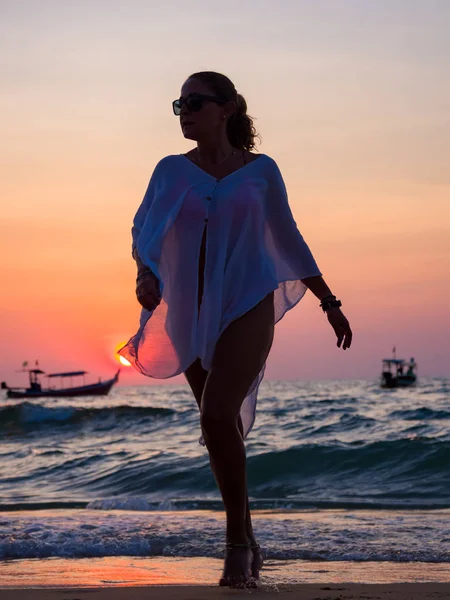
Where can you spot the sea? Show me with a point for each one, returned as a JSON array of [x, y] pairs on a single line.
[[337, 471]]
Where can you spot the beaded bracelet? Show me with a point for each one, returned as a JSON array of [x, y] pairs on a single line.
[[326, 304]]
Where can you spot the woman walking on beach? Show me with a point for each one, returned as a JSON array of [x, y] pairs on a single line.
[[220, 261]]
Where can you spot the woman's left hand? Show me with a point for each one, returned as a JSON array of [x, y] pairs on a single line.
[[341, 326]]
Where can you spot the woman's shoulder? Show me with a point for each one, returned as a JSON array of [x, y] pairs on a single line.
[[264, 160], [166, 162], [269, 160], [163, 170]]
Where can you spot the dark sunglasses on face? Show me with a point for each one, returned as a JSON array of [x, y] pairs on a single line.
[[194, 102]]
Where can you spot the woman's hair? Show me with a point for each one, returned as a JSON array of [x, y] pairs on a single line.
[[240, 129]]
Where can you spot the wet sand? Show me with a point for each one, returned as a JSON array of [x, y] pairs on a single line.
[[129, 578]]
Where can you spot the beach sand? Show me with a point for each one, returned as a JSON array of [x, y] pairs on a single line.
[[405, 591], [128, 578]]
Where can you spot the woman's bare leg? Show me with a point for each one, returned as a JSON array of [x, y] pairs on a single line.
[[257, 560], [196, 377], [240, 353]]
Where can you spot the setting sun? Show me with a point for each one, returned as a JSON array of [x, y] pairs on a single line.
[[121, 359]]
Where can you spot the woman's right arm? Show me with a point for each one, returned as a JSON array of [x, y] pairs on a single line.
[[142, 212], [147, 284], [148, 290], [139, 220], [140, 265]]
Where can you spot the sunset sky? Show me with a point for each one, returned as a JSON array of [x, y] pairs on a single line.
[[351, 98]]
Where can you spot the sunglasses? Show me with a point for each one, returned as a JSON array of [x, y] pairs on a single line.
[[194, 102]]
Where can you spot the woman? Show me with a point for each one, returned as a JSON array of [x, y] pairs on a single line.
[[220, 260]]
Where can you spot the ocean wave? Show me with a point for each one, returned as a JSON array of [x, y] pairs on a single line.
[[420, 414], [30, 414], [389, 474], [284, 535], [385, 450]]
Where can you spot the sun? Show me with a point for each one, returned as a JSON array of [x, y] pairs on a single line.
[[120, 358], [124, 361]]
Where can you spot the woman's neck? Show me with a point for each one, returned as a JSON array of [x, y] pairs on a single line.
[[214, 153]]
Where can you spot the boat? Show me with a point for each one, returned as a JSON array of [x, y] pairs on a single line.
[[397, 372], [101, 388]]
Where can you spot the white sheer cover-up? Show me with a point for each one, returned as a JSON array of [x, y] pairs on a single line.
[[253, 246]]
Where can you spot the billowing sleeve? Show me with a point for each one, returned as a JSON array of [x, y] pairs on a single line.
[[286, 240], [142, 211]]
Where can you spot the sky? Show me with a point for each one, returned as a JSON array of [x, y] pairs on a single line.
[[351, 98]]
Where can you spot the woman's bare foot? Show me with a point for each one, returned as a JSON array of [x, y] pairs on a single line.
[[237, 570], [257, 560]]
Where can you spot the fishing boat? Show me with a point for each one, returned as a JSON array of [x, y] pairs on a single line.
[[35, 390], [397, 372]]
